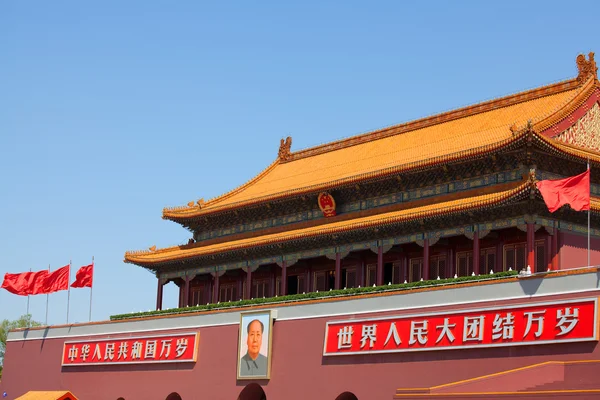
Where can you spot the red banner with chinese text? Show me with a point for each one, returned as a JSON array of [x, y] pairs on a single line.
[[566, 321], [132, 350]]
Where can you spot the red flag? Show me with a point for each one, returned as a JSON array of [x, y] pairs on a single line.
[[574, 190], [25, 283], [57, 280], [16, 283], [84, 277]]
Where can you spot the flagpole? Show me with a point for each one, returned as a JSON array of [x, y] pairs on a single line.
[[589, 209], [28, 298], [91, 288], [47, 298], [68, 291]]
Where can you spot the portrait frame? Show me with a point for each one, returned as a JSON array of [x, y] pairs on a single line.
[[266, 318]]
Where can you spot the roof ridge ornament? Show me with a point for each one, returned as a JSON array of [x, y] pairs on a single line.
[[285, 147], [586, 68]]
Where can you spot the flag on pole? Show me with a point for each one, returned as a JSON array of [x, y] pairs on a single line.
[[26, 283], [84, 277], [57, 280], [574, 191]]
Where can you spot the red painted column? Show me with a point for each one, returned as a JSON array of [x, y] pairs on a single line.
[[476, 254], [283, 285], [159, 295], [405, 268], [530, 246], [548, 246], [379, 278], [555, 265], [308, 284], [248, 284], [338, 271], [186, 292], [216, 288], [425, 274]]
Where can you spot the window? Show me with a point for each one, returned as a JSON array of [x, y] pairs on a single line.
[[278, 286], [437, 267], [260, 288], [197, 295], [228, 292], [487, 260], [515, 256], [541, 264], [371, 274], [348, 278], [464, 263], [415, 268], [323, 281]]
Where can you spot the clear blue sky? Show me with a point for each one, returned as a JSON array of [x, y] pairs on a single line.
[[110, 111]]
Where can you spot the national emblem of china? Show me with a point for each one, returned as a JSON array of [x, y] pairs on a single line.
[[327, 204]]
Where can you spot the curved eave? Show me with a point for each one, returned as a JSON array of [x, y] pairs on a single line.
[[180, 253], [563, 149], [185, 213]]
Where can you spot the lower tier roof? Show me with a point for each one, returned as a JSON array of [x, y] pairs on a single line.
[[408, 213]]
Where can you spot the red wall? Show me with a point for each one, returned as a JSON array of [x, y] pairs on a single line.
[[299, 370], [573, 251]]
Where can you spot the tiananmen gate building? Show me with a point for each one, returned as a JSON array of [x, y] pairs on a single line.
[[413, 262]]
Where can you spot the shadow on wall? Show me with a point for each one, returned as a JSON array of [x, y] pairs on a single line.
[[346, 396], [253, 391]]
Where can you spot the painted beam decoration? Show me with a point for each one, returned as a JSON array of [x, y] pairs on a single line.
[[132, 350], [525, 324]]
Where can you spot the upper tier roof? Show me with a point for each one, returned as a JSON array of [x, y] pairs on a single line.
[[455, 134]]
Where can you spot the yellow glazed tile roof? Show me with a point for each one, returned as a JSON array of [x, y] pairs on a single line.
[[456, 134], [420, 212], [51, 395]]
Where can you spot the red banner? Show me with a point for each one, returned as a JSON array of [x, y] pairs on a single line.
[[132, 350], [566, 321]]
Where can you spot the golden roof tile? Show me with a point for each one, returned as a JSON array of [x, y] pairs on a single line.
[[452, 135]]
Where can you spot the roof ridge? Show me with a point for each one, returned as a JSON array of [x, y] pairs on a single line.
[[435, 119], [587, 71], [201, 203], [340, 182], [562, 111]]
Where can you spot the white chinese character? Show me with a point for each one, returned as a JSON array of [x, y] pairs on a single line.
[[535, 316], [97, 353], [418, 332], [566, 317], [473, 328], [85, 351], [503, 327], [393, 332], [369, 332], [445, 331], [150, 349], [109, 353], [136, 350], [73, 353], [345, 337], [122, 351], [166, 344], [181, 347]]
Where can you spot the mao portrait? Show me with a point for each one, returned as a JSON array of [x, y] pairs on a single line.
[[254, 347]]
